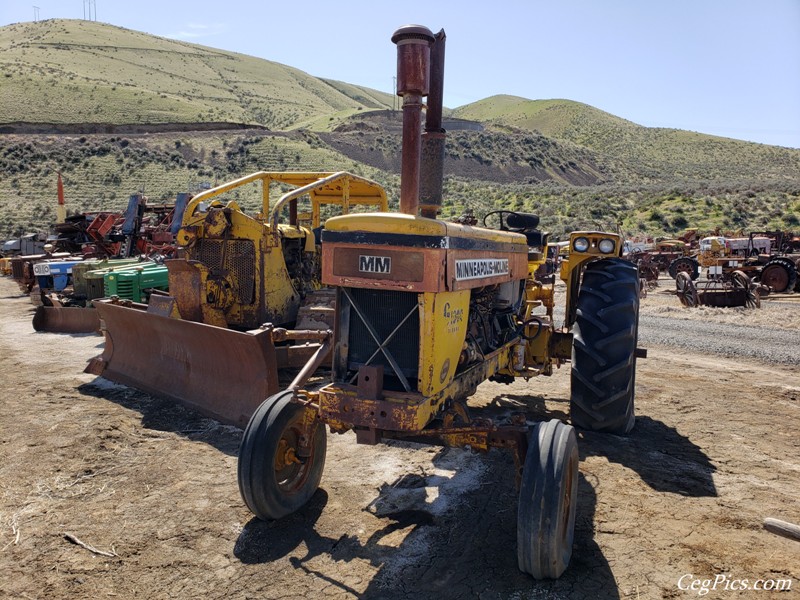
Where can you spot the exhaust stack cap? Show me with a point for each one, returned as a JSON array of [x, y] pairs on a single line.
[[407, 32], [413, 56]]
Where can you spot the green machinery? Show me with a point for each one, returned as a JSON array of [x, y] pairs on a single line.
[[128, 279], [136, 282]]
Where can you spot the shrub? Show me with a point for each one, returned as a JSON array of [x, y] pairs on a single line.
[[680, 222]]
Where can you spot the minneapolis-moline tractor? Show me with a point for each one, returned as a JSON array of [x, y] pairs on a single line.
[[426, 310], [205, 343]]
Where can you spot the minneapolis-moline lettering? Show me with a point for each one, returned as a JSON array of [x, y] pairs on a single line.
[[478, 268]]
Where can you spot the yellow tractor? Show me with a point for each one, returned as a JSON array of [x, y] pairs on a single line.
[[245, 284], [426, 310]]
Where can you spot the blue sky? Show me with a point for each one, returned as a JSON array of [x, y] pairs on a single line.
[[722, 67]]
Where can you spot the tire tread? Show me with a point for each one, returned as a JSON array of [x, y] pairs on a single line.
[[604, 347]]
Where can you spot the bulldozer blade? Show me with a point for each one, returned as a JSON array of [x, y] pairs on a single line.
[[223, 373], [58, 319]]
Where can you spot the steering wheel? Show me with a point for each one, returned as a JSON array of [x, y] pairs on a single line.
[[503, 219], [514, 221]]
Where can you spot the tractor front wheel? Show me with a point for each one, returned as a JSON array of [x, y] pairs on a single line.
[[684, 264], [281, 458], [548, 500], [604, 347]]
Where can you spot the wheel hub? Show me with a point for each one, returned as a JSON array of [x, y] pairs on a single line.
[[285, 456]]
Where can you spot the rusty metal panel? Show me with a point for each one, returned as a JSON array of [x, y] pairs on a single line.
[[723, 298], [186, 286], [411, 269], [409, 412], [223, 373], [294, 357], [162, 305], [342, 403], [561, 345], [57, 319], [370, 382], [379, 263]]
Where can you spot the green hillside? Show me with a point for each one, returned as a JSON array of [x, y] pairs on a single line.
[[553, 118], [118, 111], [74, 71], [100, 172], [644, 154]]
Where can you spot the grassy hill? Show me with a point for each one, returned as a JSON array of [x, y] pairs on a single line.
[[374, 138], [576, 166], [649, 154], [100, 172], [73, 71]]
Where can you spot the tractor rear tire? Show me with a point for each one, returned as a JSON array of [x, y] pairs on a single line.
[[604, 348], [274, 480], [548, 499], [797, 268], [780, 274], [685, 264]]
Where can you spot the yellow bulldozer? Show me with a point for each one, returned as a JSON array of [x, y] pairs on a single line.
[[244, 300], [426, 310]]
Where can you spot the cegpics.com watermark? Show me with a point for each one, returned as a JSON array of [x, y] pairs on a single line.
[[724, 582]]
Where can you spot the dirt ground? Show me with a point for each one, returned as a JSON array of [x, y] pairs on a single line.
[[149, 490]]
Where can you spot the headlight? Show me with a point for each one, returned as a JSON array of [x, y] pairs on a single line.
[[606, 246], [581, 244]]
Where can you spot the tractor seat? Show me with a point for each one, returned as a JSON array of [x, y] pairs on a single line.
[[537, 238], [520, 221]]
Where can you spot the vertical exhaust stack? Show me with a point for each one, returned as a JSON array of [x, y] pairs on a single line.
[[413, 80], [433, 140]]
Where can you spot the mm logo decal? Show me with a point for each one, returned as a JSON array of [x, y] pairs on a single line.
[[477, 268], [375, 264]]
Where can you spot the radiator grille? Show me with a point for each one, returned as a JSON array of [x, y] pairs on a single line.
[[384, 310], [236, 258], [125, 289], [120, 285], [17, 269]]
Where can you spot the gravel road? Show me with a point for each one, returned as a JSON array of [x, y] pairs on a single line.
[[770, 334], [767, 344]]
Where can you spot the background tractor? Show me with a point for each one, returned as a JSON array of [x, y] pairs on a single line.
[[665, 252], [756, 256], [243, 302], [426, 310]]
